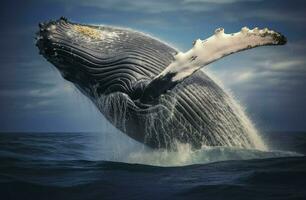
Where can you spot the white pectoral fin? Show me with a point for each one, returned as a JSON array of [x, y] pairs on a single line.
[[218, 46], [207, 51]]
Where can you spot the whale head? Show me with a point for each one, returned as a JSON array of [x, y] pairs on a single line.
[[103, 59], [77, 51]]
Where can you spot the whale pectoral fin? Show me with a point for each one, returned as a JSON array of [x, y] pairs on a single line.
[[207, 51]]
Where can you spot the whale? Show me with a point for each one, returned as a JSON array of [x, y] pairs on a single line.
[[151, 91]]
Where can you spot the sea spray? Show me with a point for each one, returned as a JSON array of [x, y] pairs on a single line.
[[185, 155], [240, 111]]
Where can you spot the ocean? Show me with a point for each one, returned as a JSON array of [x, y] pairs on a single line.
[[100, 166]]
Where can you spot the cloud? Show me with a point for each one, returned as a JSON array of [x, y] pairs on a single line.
[[12, 93], [280, 14], [51, 92], [29, 84], [218, 2], [153, 22], [288, 65], [157, 6], [226, 9], [269, 69], [37, 104]]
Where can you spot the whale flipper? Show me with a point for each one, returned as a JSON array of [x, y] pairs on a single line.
[[205, 52]]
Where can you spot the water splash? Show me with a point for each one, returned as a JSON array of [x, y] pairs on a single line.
[[185, 155], [117, 147]]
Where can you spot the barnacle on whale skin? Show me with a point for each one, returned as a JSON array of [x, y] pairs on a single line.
[[88, 31]]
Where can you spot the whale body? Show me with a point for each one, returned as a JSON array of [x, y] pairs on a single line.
[[127, 76]]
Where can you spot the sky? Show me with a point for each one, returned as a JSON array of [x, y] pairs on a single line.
[[269, 82]]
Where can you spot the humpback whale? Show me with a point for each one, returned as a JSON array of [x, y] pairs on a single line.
[[148, 89]]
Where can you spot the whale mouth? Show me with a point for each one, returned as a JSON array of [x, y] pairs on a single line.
[[74, 49], [62, 38], [90, 55], [50, 40], [44, 39]]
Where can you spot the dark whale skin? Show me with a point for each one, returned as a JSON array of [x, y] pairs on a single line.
[[113, 71]]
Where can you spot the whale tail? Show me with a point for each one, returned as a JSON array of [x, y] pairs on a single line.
[[205, 52]]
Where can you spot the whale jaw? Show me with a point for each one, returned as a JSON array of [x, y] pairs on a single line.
[[48, 41]]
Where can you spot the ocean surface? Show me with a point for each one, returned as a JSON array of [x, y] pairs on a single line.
[[100, 166]]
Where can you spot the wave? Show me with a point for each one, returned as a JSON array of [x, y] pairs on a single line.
[[269, 178], [63, 166]]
